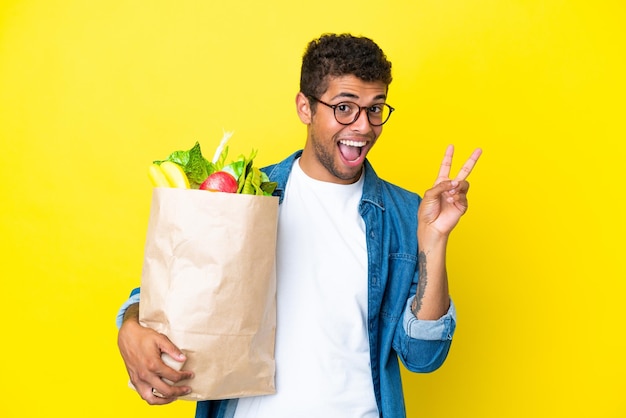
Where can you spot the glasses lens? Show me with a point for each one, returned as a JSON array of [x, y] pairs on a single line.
[[347, 113], [378, 114]]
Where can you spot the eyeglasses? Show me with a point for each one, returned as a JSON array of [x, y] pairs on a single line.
[[346, 113]]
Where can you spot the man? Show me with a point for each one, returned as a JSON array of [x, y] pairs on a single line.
[[355, 291]]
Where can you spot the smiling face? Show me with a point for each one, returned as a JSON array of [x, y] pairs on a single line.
[[334, 152]]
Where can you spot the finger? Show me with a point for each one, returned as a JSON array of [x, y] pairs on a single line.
[[446, 164], [154, 385], [152, 396], [160, 398], [469, 165], [173, 373], [163, 390], [457, 186], [176, 374], [158, 394], [459, 201], [171, 351], [171, 376], [445, 186], [157, 375]]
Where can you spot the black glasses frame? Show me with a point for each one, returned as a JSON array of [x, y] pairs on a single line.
[[356, 117]]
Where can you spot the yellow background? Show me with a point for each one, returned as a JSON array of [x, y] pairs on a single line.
[[92, 91]]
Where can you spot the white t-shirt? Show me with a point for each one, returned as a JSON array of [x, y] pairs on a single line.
[[322, 346]]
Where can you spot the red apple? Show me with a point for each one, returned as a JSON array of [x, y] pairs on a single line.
[[220, 181]]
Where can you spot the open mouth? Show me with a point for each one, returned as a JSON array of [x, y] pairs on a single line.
[[351, 150]]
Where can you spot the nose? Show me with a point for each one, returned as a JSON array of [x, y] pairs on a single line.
[[362, 123]]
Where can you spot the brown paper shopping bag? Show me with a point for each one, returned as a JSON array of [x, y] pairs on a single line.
[[209, 284]]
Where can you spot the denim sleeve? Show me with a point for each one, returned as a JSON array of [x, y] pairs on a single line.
[[423, 346], [436, 330], [134, 298]]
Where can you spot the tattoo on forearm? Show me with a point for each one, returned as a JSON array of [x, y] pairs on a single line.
[[421, 284]]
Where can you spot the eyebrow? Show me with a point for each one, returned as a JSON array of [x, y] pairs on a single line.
[[354, 96]]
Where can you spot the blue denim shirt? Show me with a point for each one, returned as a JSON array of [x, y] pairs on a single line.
[[390, 216]]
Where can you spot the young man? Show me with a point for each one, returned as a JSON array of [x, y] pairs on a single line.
[[361, 275]]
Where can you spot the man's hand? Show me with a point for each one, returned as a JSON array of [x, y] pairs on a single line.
[[438, 214], [445, 203], [141, 349]]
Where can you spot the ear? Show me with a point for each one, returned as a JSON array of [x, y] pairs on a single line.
[[303, 107]]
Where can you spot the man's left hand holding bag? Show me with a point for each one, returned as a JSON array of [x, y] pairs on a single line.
[[141, 349]]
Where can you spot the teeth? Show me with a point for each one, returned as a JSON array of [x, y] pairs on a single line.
[[353, 143]]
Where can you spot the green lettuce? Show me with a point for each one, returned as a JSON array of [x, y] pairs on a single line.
[[196, 167], [250, 179]]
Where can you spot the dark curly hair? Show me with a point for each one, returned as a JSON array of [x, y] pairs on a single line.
[[337, 55]]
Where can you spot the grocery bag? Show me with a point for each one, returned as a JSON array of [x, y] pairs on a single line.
[[209, 284]]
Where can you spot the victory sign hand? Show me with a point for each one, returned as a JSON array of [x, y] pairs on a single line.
[[445, 203]]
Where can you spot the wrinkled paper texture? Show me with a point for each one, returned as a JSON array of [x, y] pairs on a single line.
[[209, 284]]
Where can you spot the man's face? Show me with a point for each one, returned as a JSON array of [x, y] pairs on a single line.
[[334, 152]]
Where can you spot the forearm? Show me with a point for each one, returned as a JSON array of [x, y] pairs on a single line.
[[132, 300], [132, 313], [432, 298]]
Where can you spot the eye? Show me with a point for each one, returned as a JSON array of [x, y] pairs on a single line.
[[376, 109], [345, 108]]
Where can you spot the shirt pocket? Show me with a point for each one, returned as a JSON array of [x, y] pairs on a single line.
[[401, 278]]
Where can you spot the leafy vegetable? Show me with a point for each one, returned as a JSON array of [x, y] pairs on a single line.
[[250, 180], [196, 167]]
